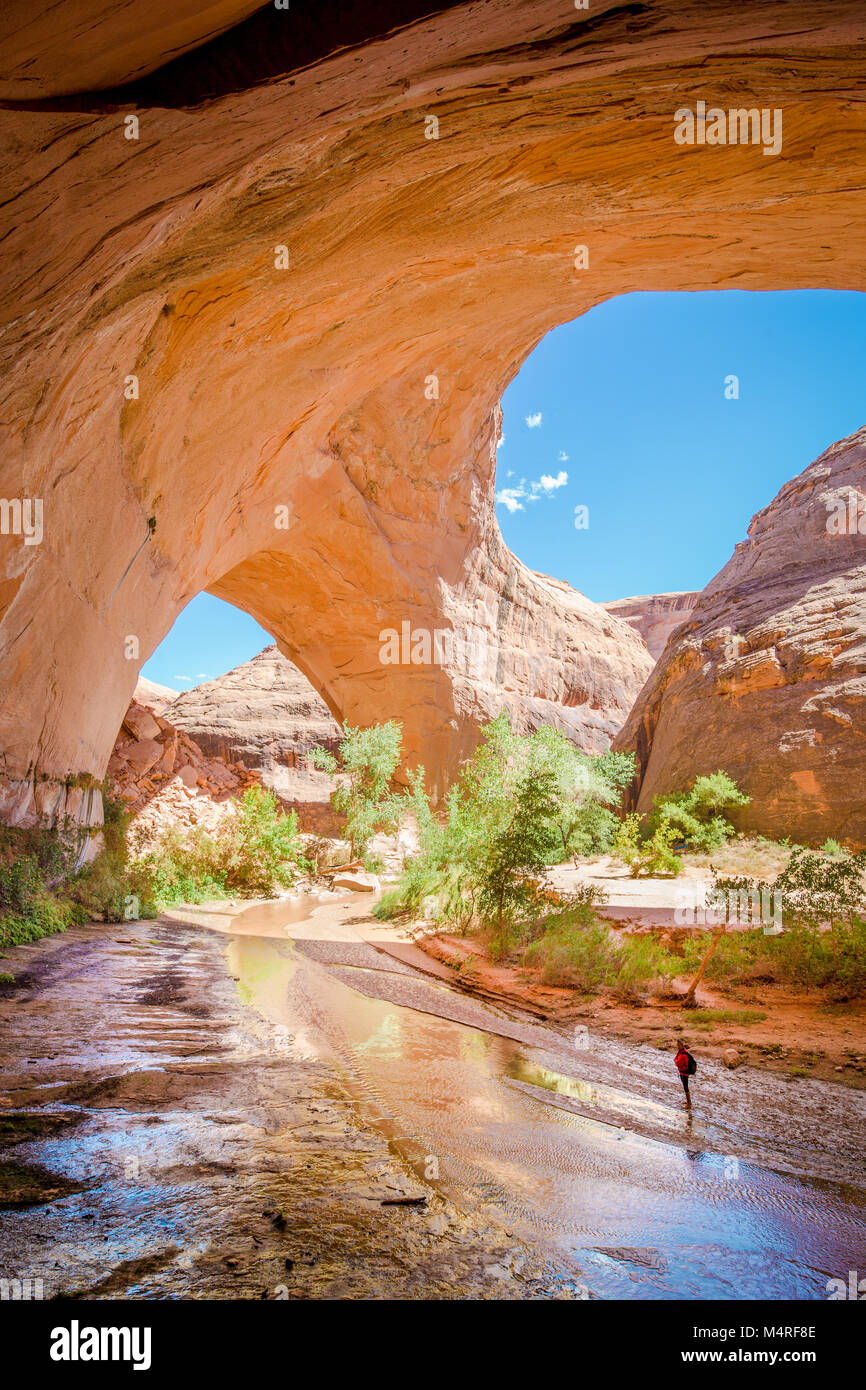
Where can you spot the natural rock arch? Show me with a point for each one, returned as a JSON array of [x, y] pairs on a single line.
[[304, 387]]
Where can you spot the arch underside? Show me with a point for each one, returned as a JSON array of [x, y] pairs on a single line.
[[299, 393]]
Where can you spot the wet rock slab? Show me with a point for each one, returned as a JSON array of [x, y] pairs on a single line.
[[164, 1140]]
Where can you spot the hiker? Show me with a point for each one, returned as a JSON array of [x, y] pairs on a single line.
[[686, 1066]]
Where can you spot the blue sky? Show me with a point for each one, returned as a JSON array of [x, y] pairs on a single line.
[[623, 411]]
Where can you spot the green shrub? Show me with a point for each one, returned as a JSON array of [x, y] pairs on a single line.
[[33, 861], [696, 816], [20, 884], [255, 851], [574, 951], [833, 847], [257, 848], [645, 856], [366, 762], [643, 961], [520, 803], [518, 853]]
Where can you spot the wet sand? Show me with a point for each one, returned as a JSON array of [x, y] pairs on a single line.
[[224, 1126], [177, 1144]]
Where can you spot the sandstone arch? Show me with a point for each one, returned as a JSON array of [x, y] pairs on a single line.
[[305, 387]]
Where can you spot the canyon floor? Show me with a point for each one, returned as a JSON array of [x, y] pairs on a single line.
[[793, 1033], [271, 1101]]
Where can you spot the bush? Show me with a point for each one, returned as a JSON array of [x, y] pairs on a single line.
[[696, 816], [33, 861], [367, 760], [521, 803], [575, 952], [645, 856], [642, 962], [576, 949], [833, 848], [517, 853], [257, 848], [255, 851]]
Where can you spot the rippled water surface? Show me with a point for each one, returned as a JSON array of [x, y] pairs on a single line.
[[584, 1151]]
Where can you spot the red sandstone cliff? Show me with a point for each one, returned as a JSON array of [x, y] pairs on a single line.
[[654, 616], [768, 677], [218, 336]]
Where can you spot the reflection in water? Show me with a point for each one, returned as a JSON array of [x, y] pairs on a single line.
[[536, 1149]]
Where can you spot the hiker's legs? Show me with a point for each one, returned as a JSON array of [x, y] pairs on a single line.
[[685, 1081]]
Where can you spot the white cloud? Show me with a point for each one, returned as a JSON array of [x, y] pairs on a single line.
[[202, 676], [509, 497], [549, 484], [500, 441], [563, 457], [533, 421], [514, 497], [182, 678]]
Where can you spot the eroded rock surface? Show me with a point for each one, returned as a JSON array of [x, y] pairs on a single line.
[[155, 697], [258, 349], [768, 678], [266, 714], [654, 616]]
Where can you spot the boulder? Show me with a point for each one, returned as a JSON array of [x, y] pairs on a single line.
[[732, 1058], [142, 755], [359, 881], [140, 722]]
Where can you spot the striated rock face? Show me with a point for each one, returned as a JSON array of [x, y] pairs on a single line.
[[267, 715], [768, 677], [654, 616], [259, 349], [155, 697]]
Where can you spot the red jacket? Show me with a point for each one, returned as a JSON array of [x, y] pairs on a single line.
[[682, 1063]]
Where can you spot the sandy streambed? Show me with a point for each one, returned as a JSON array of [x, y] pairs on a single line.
[[242, 1112]]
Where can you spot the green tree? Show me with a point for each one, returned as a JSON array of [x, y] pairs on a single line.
[[365, 765], [697, 816], [519, 851], [585, 786]]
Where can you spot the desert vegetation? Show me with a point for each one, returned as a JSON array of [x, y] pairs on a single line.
[[520, 806], [255, 851], [523, 804]]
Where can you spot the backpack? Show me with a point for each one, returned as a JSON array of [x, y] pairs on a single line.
[[693, 1066]]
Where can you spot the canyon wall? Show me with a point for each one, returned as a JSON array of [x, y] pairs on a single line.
[[259, 306], [654, 616], [265, 714], [768, 678]]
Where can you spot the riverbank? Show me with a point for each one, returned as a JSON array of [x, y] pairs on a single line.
[[287, 1107], [767, 1026]]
